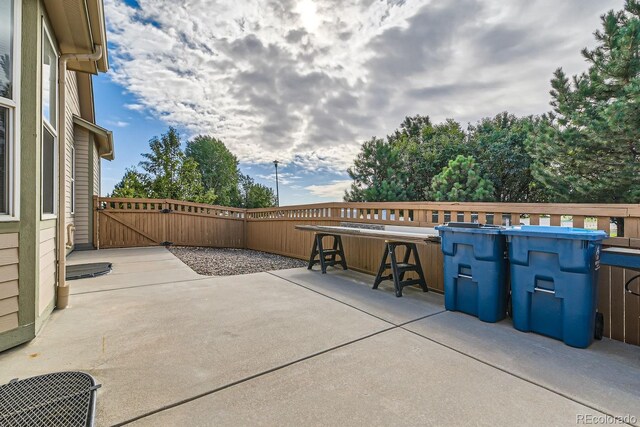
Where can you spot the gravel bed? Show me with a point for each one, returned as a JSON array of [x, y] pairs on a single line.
[[229, 262]]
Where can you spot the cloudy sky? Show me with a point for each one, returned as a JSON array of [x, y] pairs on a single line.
[[307, 81]]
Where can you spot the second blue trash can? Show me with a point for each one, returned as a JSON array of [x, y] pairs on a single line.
[[554, 281], [474, 270]]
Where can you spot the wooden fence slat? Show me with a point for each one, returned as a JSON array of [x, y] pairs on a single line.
[[631, 311], [130, 226], [604, 297], [632, 227], [534, 219], [482, 217], [617, 303], [604, 224]]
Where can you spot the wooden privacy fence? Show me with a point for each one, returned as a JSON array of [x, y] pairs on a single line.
[[121, 223], [138, 222]]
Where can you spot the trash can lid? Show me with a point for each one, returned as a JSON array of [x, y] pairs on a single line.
[[555, 232], [470, 227]]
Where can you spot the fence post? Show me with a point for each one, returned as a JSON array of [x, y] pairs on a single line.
[[632, 231], [165, 221], [245, 230], [96, 222], [335, 213], [420, 216]]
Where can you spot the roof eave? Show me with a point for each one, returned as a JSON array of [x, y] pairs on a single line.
[[103, 136], [79, 27]]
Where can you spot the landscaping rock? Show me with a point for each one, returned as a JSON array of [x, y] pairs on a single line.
[[229, 262]]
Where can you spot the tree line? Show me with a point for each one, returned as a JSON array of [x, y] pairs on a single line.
[[205, 172], [587, 149]]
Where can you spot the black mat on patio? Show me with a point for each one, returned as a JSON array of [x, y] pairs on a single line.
[[83, 271]]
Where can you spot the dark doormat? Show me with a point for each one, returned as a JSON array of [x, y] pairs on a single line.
[[83, 271], [58, 399]]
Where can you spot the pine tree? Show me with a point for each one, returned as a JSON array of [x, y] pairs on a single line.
[[588, 148], [378, 174], [460, 181]]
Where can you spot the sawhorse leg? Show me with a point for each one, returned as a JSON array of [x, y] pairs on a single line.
[[398, 270], [327, 257]]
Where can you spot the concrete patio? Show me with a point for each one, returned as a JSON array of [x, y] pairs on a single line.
[[293, 347]]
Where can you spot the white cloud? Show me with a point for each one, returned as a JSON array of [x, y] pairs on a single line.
[[335, 190], [284, 178], [308, 81], [134, 107], [117, 123], [308, 14]]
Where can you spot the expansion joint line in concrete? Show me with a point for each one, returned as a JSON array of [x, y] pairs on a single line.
[[484, 362], [124, 288], [351, 305], [392, 326], [268, 371]]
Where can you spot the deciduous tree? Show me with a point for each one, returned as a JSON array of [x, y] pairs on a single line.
[[132, 185], [218, 167], [499, 145], [168, 173], [254, 195], [425, 154]]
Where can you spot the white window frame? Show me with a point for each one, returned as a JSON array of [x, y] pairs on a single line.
[[72, 200], [13, 135], [49, 128]]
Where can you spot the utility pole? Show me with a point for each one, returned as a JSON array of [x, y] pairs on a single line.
[[275, 163]]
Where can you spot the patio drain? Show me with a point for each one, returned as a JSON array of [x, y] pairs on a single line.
[[58, 399], [84, 271]]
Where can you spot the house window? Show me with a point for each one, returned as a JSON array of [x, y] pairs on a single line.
[[49, 81], [48, 173], [73, 180], [6, 49], [9, 74], [49, 121], [4, 145]]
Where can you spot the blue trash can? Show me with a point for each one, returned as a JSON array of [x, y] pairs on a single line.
[[475, 270], [554, 281]]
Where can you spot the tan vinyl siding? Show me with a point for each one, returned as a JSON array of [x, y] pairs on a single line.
[[83, 187], [47, 268], [72, 107], [8, 322], [96, 171], [8, 281]]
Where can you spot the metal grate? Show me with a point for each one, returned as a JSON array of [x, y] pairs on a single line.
[[58, 399], [84, 271]]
